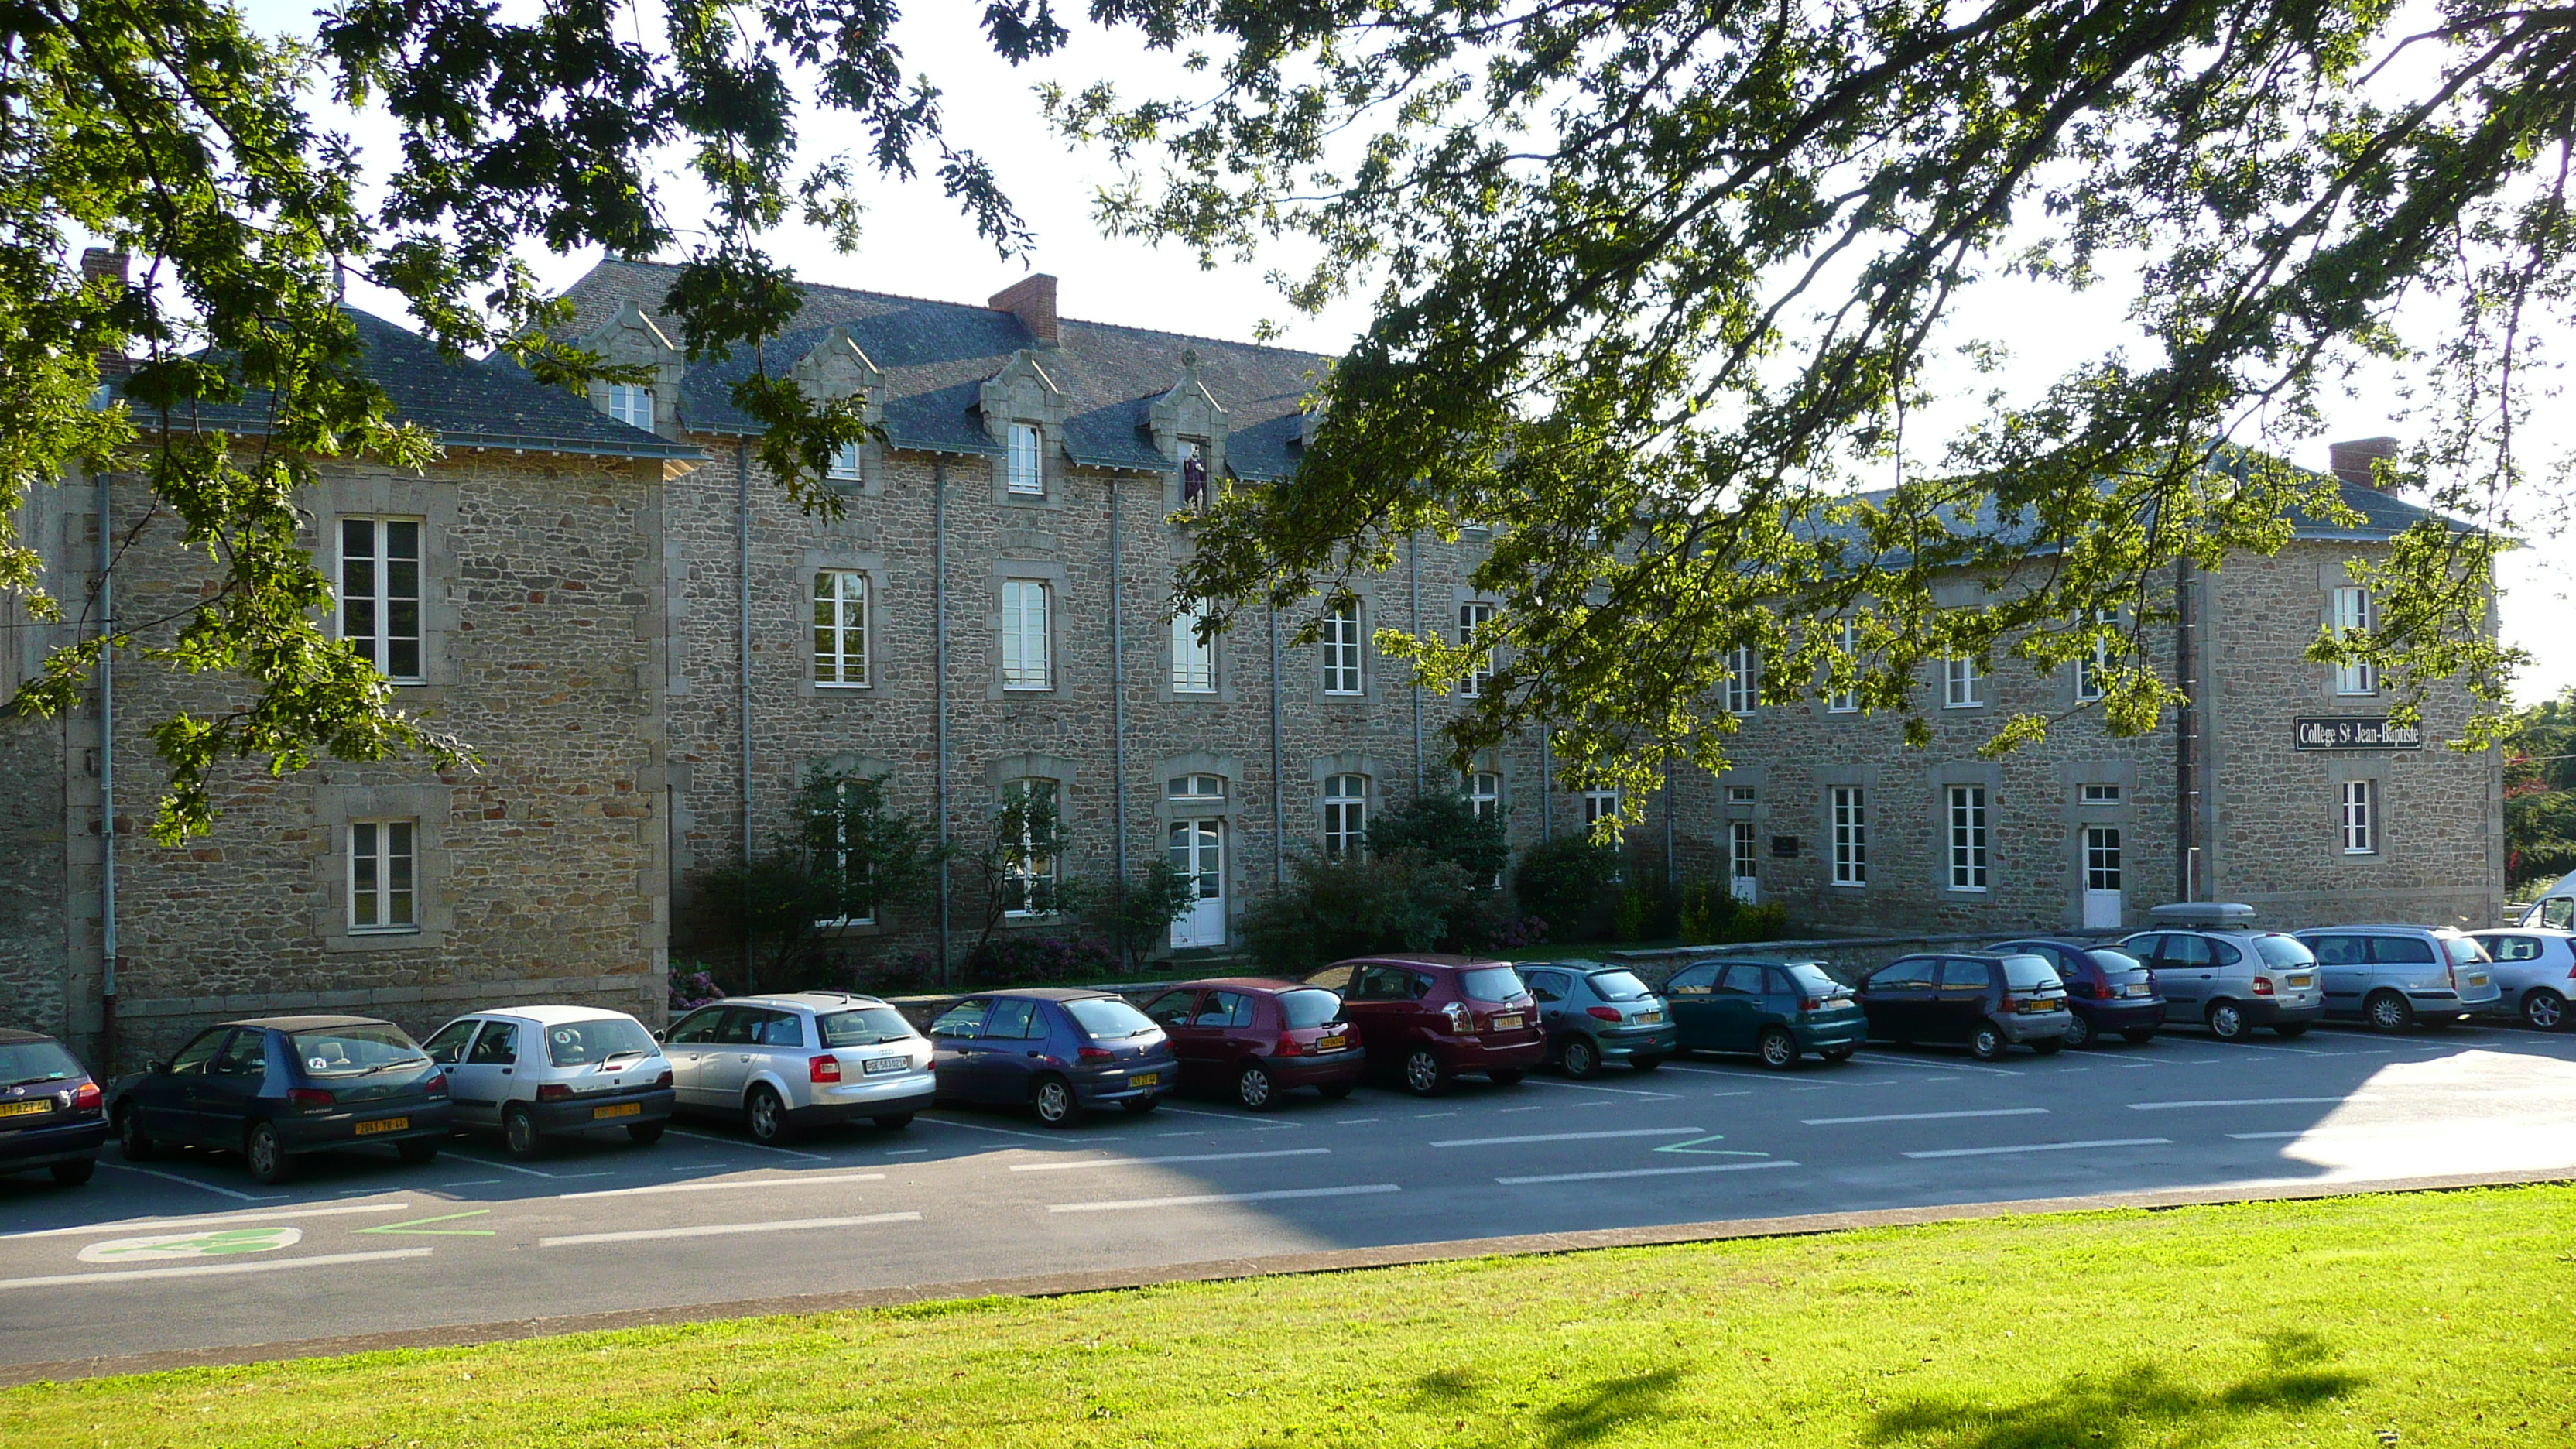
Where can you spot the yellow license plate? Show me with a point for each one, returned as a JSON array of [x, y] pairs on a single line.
[[1650, 1018], [1146, 1079], [2299, 980], [1331, 1043], [383, 1124], [1506, 1023], [622, 1109], [24, 1109], [2477, 981]]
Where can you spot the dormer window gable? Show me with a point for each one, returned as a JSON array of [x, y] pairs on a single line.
[[838, 368], [632, 339], [1025, 412], [1188, 427]]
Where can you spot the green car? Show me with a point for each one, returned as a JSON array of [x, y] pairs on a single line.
[[1777, 1010]]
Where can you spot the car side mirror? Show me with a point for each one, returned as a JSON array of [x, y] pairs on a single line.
[[158, 1069], [660, 1035]]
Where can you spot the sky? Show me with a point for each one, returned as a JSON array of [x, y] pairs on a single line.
[[915, 244]]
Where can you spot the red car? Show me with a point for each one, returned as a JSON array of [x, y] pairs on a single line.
[[1428, 1018], [1258, 1039]]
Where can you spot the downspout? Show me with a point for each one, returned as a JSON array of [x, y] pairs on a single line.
[[742, 578], [1671, 872], [1117, 698], [1546, 788], [2186, 728], [106, 770], [1413, 583], [1278, 786], [939, 690]]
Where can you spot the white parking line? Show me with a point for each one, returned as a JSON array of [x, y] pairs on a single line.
[[1150, 1161], [720, 1230], [469, 1182], [729, 1142], [208, 1270], [2047, 1147], [809, 1181], [1013, 1131], [1588, 1087], [1355, 1121], [1283, 1194], [1570, 1136], [1890, 1061], [1236, 1118], [1925, 1116], [200, 1186], [2251, 1102], [514, 1167], [209, 1220], [1643, 1172]]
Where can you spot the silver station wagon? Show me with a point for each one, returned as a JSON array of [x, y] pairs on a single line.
[[2394, 977], [542, 1072], [801, 1059]]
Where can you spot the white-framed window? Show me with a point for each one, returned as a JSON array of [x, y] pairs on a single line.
[[1743, 685], [1345, 815], [1025, 641], [1847, 701], [1342, 649], [1471, 617], [2091, 665], [2101, 795], [2360, 810], [1193, 658], [1485, 793], [1741, 861], [631, 405], [856, 903], [2102, 857], [1851, 836], [844, 467], [840, 628], [383, 875], [2353, 612], [380, 593], [1195, 787], [1967, 837], [1030, 873], [1962, 685], [1021, 467], [1739, 794], [1601, 803]]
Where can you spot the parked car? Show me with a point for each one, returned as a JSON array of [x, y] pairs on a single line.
[[52, 1113], [1426, 1019], [2107, 990], [281, 1087], [2220, 973], [799, 1060], [2392, 977], [1777, 1010], [2534, 970], [1594, 1013], [1258, 1039], [536, 1073], [1059, 1051], [1989, 1001]]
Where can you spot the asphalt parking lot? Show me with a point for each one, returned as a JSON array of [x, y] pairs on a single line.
[[189, 1253]]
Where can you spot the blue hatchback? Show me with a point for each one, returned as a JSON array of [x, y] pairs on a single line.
[[282, 1086], [51, 1112], [1057, 1051]]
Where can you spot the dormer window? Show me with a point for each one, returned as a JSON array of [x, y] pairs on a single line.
[[1021, 462], [1194, 475], [845, 464], [631, 405]]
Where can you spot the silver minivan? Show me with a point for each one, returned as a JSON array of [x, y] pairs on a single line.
[[2392, 977], [800, 1059], [542, 1072], [2228, 977]]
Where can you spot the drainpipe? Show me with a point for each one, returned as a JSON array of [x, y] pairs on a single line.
[[1117, 699], [939, 690], [1413, 583], [106, 771], [1278, 787], [2186, 731], [742, 600], [1546, 788], [1671, 873]]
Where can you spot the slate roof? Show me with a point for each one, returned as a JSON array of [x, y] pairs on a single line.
[[468, 403], [936, 357]]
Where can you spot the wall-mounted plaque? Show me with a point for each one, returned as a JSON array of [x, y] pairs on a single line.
[[2355, 734]]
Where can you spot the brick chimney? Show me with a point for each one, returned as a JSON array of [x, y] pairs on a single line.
[[1032, 300], [2351, 461], [98, 263]]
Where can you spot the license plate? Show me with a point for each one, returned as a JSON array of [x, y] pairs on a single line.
[[383, 1124], [1650, 1018], [875, 1065], [2035, 1007], [24, 1109], [1506, 1023], [2477, 981], [1146, 1079], [2137, 988], [1331, 1043], [2301, 980], [621, 1109]]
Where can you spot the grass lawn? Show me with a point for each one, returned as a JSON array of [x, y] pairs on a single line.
[[2449, 1319]]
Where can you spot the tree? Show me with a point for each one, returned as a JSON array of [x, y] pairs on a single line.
[[842, 856], [1660, 285], [2540, 793], [1349, 906], [1019, 868], [1137, 913]]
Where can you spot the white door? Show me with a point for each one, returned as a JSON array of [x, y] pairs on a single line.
[[1198, 851], [1739, 854], [2101, 877]]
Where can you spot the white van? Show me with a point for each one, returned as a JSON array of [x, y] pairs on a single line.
[[2556, 908]]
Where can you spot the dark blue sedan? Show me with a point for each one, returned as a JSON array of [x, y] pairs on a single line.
[[51, 1111], [1056, 1051], [283, 1086]]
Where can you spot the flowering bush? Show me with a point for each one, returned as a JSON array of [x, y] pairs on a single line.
[[1519, 931], [1031, 960], [693, 989]]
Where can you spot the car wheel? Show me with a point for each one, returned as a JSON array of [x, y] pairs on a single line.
[[1836, 1054], [1505, 1076], [2292, 1032], [2227, 1021], [519, 1133], [1645, 1064], [1056, 1105], [1581, 1057], [1254, 1088], [269, 1162], [419, 1151], [2388, 1011], [2141, 1035], [1987, 1043], [73, 1174], [645, 1134], [2544, 1010], [2079, 1032], [1139, 1106], [767, 1117], [137, 1144], [1335, 1091], [1423, 1074], [1778, 1049], [2047, 1047]]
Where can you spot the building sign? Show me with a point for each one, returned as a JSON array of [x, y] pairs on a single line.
[[1784, 847], [2355, 734]]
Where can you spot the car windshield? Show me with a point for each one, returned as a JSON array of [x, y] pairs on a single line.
[[863, 1026], [2029, 973], [1618, 986], [2465, 952], [1490, 983], [24, 1062], [1814, 978], [349, 1051], [2110, 959], [1309, 1008], [1107, 1019], [2283, 951], [582, 1043]]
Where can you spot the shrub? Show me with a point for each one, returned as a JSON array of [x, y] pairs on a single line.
[[1443, 824], [693, 988], [1138, 914], [1710, 914], [1037, 960], [898, 975], [1331, 909], [1572, 884]]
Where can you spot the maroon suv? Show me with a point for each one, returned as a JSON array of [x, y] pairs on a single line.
[[1257, 1039], [1428, 1018]]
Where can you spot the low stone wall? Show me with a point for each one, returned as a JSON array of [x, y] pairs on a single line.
[[1846, 958]]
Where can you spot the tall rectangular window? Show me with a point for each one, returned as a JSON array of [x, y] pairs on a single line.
[[1472, 617], [1030, 870], [2102, 857], [1025, 476], [1025, 661], [1345, 815], [844, 467], [1851, 836], [2352, 613], [1743, 690], [1742, 863], [2091, 665], [383, 893], [1193, 658], [849, 895], [1485, 793], [631, 405], [1961, 684], [1601, 803], [840, 628], [2360, 818], [1847, 701], [1967, 837], [380, 594], [1342, 649]]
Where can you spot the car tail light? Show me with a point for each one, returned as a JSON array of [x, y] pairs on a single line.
[[1459, 1019], [663, 1080], [1604, 1013], [1811, 1003], [87, 1097], [2262, 985], [308, 1097], [554, 1091], [825, 1068], [1288, 1046], [436, 1086], [1095, 1054]]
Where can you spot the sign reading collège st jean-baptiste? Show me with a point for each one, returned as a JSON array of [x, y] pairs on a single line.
[[2355, 734]]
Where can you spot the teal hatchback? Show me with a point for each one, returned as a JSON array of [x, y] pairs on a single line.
[[1777, 1010]]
